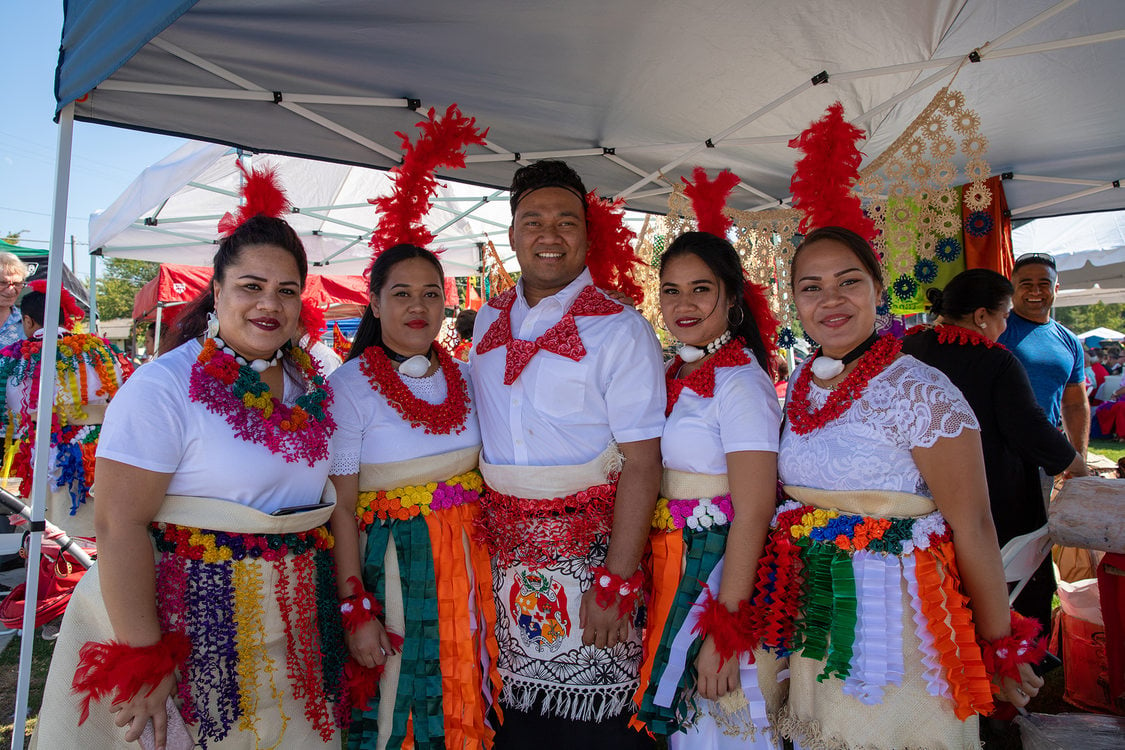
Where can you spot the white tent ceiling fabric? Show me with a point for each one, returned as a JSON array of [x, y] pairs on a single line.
[[1088, 250], [171, 211], [632, 92]]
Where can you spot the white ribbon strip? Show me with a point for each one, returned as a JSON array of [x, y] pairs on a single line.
[[677, 658]]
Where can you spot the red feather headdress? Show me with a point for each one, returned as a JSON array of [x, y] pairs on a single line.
[[261, 194], [441, 143], [312, 319], [823, 178], [71, 312], [708, 199], [610, 255]]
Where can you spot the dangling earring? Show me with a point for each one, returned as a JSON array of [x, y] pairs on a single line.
[[741, 316], [212, 325]]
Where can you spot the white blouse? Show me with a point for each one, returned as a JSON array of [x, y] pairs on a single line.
[[370, 431], [908, 405], [743, 415], [153, 424]]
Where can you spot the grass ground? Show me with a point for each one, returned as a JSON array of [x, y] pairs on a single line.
[[1108, 448], [9, 671]]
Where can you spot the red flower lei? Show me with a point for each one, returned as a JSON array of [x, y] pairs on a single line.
[[949, 334], [802, 420], [702, 379], [437, 419]]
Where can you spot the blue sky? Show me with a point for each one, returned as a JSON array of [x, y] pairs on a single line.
[[105, 159]]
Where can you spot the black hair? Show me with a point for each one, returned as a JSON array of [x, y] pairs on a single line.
[[544, 174], [968, 291], [257, 230], [859, 246], [370, 331], [466, 319], [34, 305], [721, 257]]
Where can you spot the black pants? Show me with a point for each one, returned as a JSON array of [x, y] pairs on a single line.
[[530, 730]]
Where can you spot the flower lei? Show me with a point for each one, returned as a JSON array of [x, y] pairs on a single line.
[[702, 379], [953, 334], [803, 420], [610, 587], [404, 503], [437, 419], [236, 392], [696, 514]]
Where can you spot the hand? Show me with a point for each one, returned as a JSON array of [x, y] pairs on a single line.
[[1077, 468], [369, 644], [1019, 693], [621, 297], [713, 681], [601, 627], [137, 713]]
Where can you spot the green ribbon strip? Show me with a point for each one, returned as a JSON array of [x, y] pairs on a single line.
[[844, 616]]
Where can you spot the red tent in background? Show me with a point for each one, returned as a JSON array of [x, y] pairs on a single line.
[[343, 296]]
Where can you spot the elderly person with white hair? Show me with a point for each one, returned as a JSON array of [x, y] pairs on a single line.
[[13, 273]]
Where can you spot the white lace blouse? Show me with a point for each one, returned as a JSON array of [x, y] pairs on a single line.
[[906, 406]]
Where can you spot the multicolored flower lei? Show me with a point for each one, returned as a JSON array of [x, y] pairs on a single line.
[[852, 532], [696, 514], [798, 411], [437, 419], [220, 546], [953, 334], [405, 503], [236, 392]]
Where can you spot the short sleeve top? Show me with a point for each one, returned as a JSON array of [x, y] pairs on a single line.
[[908, 405]]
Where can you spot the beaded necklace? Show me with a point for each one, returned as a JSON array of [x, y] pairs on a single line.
[[437, 419], [803, 420], [237, 392]]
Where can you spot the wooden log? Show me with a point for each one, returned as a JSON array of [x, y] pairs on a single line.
[[1089, 512]]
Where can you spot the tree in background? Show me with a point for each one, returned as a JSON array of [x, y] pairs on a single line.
[[120, 283], [13, 238], [1082, 318]]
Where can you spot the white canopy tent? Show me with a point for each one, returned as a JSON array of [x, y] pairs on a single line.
[[633, 92], [170, 212]]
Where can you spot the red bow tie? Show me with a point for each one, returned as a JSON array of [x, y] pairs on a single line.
[[562, 339]]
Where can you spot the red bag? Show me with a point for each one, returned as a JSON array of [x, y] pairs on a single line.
[[59, 573]]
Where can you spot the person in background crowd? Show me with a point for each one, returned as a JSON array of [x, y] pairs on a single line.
[[570, 392], [880, 456], [1051, 355], [466, 319], [1017, 438], [13, 274], [781, 383], [1096, 372]]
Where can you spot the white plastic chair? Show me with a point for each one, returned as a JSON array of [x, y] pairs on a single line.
[[1022, 556]]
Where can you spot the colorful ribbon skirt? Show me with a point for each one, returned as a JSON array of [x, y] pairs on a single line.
[[421, 561], [261, 613]]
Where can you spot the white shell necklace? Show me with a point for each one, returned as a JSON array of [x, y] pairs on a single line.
[[689, 353], [258, 365]]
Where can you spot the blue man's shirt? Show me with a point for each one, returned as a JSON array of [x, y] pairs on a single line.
[[1052, 356]]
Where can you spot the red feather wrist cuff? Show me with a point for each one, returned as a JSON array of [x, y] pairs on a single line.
[[123, 670], [732, 632], [359, 608], [1003, 656], [609, 587]]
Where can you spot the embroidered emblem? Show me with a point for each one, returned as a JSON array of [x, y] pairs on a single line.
[[538, 607]]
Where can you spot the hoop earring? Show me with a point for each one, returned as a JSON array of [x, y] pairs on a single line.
[[741, 317]]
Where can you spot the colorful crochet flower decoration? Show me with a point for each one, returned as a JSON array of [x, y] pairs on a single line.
[[884, 306], [786, 339], [978, 224], [947, 249], [905, 287], [925, 270]]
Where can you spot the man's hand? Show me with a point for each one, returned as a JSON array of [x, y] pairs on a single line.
[[602, 627]]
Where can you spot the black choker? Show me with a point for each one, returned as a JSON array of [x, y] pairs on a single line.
[[826, 368]]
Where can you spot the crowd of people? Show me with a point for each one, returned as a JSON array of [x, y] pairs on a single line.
[[564, 542]]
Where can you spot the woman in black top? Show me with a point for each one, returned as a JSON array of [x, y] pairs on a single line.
[[972, 312]]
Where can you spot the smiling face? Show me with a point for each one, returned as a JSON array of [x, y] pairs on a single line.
[[692, 300], [11, 284], [410, 306], [836, 296], [548, 233], [1036, 284], [259, 301]]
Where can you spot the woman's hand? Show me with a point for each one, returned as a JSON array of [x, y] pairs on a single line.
[[369, 644], [1019, 693], [136, 713], [713, 681]]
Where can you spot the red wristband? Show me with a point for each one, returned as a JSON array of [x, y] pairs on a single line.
[[123, 670], [732, 632], [359, 608], [609, 587], [1003, 656]]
